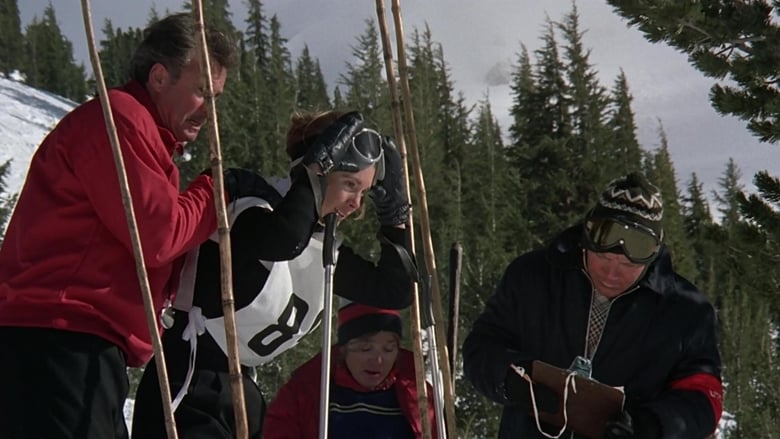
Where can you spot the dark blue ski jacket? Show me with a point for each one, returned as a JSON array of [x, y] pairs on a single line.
[[659, 341]]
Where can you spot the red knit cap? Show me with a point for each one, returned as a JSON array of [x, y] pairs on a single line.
[[357, 320]]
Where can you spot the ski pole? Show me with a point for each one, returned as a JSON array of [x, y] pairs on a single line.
[[132, 224], [328, 262], [429, 324], [223, 233], [456, 261]]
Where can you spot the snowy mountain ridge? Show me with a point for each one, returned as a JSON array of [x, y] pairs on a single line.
[[27, 116]]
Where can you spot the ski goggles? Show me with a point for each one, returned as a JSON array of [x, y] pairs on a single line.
[[365, 150], [638, 242]]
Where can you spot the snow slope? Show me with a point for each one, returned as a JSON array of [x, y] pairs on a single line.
[[26, 117]]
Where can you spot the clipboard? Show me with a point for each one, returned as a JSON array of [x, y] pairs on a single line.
[[588, 408]]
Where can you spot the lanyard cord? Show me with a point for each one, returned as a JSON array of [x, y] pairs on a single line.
[[569, 382]]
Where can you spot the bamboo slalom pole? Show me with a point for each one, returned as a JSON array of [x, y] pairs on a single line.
[[456, 261], [223, 233], [143, 280], [430, 259], [419, 361]]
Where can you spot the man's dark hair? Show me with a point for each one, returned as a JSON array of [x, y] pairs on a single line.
[[173, 41]]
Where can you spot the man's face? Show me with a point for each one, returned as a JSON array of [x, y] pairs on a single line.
[[612, 273], [180, 101]]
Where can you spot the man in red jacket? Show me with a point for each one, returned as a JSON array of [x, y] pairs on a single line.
[[71, 310]]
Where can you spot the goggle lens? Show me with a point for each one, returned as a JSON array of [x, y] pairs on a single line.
[[640, 244], [368, 145], [367, 150]]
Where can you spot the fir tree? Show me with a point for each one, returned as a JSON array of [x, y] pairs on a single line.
[[627, 154], [311, 91], [116, 53], [700, 230], [366, 90], [11, 50], [7, 201], [736, 43], [662, 175], [49, 57]]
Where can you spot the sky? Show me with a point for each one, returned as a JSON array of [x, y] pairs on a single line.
[[480, 36]]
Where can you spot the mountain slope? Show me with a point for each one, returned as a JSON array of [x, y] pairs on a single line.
[[27, 115]]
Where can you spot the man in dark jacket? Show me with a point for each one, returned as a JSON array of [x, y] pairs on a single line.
[[604, 290]]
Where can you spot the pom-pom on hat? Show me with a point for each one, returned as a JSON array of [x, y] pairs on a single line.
[[631, 197], [357, 320]]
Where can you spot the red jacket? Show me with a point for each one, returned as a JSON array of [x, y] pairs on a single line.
[[295, 411], [67, 260]]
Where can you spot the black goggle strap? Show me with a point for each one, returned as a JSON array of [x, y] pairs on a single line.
[[640, 244]]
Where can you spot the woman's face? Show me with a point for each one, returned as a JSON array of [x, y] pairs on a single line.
[[345, 190], [369, 359]]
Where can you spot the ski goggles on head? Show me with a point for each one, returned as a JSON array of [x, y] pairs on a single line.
[[365, 150], [638, 242]]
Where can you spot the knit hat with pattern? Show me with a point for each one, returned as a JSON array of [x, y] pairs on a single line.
[[631, 197]]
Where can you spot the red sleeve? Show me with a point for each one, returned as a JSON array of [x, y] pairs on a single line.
[[432, 411], [709, 385], [169, 223], [283, 419]]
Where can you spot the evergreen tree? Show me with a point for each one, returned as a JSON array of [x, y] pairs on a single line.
[[280, 83], [736, 42], [662, 174], [311, 91], [11, 50], [49, 56], [729, 195], [7, 201], [116, 53], [590, 142], [441, 129], [627, 154], [488, 245], [524, 106], [554, 96], [746, 281], [366, 90], [216, 13], [257, 33], [700, 230]]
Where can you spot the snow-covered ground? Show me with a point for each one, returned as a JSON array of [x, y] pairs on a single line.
[[27, 116]]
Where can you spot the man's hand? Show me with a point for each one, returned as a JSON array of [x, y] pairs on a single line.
[[518, 391]]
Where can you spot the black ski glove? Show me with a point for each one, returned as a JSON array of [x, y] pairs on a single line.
[[633, 424], [331, 145], [518, 391], [241, 182], [389, 194]]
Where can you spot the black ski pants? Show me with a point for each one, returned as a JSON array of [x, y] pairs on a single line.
[[206, 412], [57, 384]]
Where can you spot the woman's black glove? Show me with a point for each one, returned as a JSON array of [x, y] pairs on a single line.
[[389, 194]]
